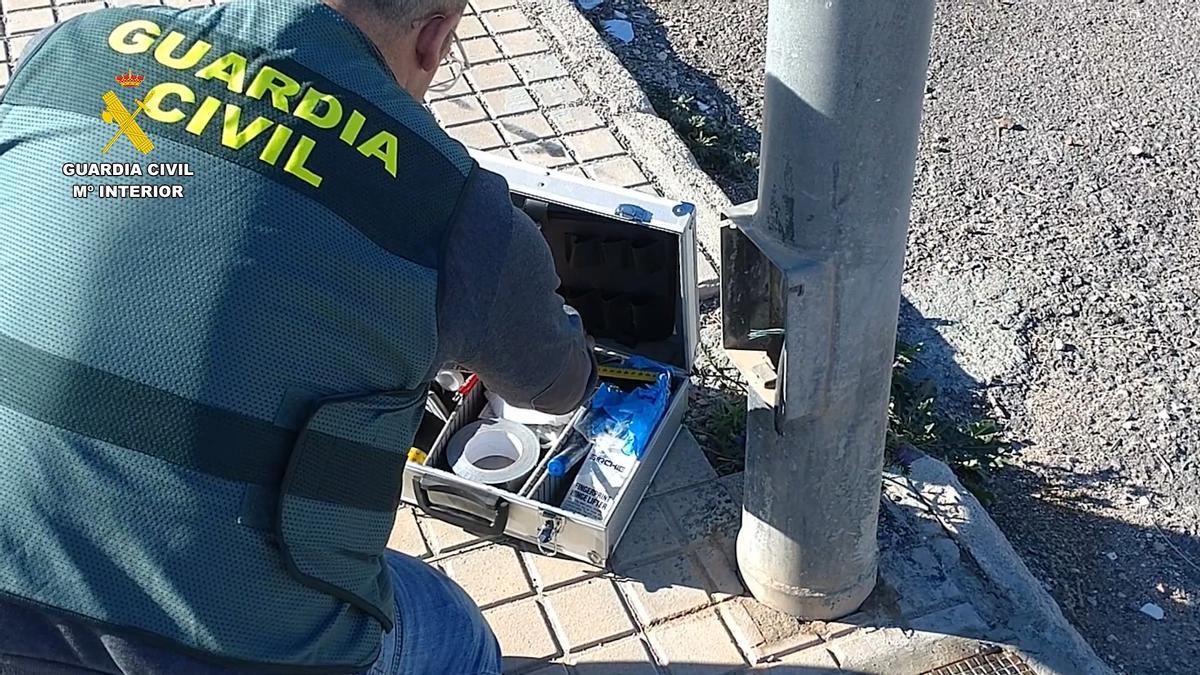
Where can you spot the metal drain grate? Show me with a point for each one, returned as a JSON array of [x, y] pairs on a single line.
[[996, 662]]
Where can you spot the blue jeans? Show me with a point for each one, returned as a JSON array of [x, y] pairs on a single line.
[[438, 627], [438, 630]]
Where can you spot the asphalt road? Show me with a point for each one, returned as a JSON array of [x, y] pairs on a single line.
[[1053, 273]]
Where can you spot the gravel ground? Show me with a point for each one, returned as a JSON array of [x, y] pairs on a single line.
[[1053, 272]]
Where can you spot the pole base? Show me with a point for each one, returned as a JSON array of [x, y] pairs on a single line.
[[803, 603]]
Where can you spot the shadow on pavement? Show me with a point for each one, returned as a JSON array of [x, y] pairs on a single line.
[[1152, 566]]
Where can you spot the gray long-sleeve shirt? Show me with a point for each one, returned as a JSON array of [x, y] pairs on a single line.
[[499, 313]]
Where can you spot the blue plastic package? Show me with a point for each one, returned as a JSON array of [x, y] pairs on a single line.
[[627, 419]]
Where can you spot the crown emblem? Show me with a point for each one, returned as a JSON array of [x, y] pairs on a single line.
[[128, 79]]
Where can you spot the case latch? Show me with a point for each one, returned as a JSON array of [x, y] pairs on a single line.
[[634, 213], [548, 536]]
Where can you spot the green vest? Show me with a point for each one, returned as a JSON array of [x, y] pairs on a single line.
[[208, 386]]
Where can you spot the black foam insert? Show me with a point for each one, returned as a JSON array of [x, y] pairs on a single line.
[[622, 278]]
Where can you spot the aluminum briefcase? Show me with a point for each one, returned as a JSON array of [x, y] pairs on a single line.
[[627, 261]]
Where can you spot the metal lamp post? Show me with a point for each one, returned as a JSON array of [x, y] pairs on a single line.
[[811, 289]]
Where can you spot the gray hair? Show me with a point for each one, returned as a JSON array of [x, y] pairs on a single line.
[[406, 12]]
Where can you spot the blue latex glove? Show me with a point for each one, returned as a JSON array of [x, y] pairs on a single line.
[[628, 419]]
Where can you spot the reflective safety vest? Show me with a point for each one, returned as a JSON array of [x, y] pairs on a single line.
[[220, 246]]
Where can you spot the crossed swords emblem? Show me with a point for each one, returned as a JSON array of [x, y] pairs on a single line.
[[115, 112]]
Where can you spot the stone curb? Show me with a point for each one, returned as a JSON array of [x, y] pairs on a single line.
[[649, 139], [1046, 638]]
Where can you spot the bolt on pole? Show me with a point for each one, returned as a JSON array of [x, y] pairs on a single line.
[[811, 292]]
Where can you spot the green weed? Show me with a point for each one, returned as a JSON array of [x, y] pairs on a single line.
[[974, 450], [712, 139]]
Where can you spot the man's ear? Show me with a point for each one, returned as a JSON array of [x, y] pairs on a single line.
[[433, 41]]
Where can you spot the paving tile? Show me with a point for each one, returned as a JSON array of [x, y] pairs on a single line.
[[528, 127], [16, 5], [832, 630], [704, 512], [480, 135], [620, 171], [648, 189], [538, 67], [3, 52], [719, 564], [593, 144], [735, 485], [490, 575], [17, 45], [588, 612], [549, 153], [481, 50], [554, 93], [67, 11], [960, 619], [3, 75], [485, 5], [816, 660], [470, 27], [550, 572], [918, 580], [523, 632], [502, 152], [443, 537], [664, 589], [684, 465], [406, 536], [455, 111], [503, 102], [890, 649], [28, 20], [648, 536], [491, 76], [763, 632], [627, 656], [506, 20], [697, 645], [522, 43], [446, 85], [577, 118]]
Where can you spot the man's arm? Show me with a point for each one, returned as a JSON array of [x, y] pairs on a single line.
[[499, 313]]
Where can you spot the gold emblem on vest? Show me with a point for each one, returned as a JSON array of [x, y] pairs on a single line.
[[127, 126]]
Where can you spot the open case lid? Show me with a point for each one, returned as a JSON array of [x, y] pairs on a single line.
[[627, 259]]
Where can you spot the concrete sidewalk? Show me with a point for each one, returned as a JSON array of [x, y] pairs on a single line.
[[673, 602], [952, 597]]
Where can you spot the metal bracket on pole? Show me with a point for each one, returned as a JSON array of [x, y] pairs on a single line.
[[769, 288], [810, 290]]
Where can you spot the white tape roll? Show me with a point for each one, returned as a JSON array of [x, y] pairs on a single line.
[[494, 452]]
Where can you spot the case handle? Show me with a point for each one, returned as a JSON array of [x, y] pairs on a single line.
[[477, 513]]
